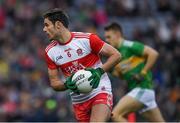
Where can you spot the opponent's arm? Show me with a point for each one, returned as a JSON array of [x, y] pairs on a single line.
[[151, 56]]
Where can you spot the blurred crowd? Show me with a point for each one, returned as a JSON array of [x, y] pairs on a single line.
[[25, 94]]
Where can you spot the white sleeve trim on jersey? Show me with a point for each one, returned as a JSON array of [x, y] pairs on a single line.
[[128, 43], [101, 48]]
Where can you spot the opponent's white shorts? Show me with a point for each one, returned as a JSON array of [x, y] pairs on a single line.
[[145, 96]]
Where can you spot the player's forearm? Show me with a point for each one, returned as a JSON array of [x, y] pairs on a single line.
[[151, 59], [57, 85], [112, 61], [55, 82]]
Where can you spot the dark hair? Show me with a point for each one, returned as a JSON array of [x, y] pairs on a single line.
[[114, 26], [57, 15]]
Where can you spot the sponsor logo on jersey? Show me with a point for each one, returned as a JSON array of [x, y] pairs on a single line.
[[58, 57], [74, 67]]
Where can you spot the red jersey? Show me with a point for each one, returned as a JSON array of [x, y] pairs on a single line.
[[81, 51]]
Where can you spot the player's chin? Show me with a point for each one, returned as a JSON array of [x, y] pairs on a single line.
[[50, 37]]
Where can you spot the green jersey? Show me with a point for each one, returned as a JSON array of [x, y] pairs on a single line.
[[132, 63]]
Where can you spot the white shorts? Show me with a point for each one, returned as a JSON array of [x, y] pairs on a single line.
[[145, 96]]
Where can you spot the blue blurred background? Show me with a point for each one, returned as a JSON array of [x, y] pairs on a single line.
[[25, 94]]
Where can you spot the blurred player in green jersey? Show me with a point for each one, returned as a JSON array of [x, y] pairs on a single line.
[[135, 68]]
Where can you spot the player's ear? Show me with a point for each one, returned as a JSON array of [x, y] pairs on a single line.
[[58, 24]]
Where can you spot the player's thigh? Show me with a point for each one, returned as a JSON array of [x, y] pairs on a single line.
[[126, 105], [101, 107], [100, 113], [153, 115]]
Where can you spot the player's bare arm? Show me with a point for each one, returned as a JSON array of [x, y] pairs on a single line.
[[55, 82], [151, 57], [113, 54]]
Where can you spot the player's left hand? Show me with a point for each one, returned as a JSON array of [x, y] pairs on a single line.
[[95, 77]]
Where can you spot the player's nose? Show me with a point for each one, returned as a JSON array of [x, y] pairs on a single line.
[[44, 29]]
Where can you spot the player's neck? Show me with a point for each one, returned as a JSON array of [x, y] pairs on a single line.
[[119, 43], [65, 36]]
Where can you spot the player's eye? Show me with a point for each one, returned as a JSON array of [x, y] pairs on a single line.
[[108, 37], [45, 24]]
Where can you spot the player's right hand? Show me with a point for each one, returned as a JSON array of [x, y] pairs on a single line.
[[138, 77], [69, 84]]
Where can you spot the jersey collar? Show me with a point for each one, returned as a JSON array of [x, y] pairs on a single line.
[[68, 40], [121, 40]]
